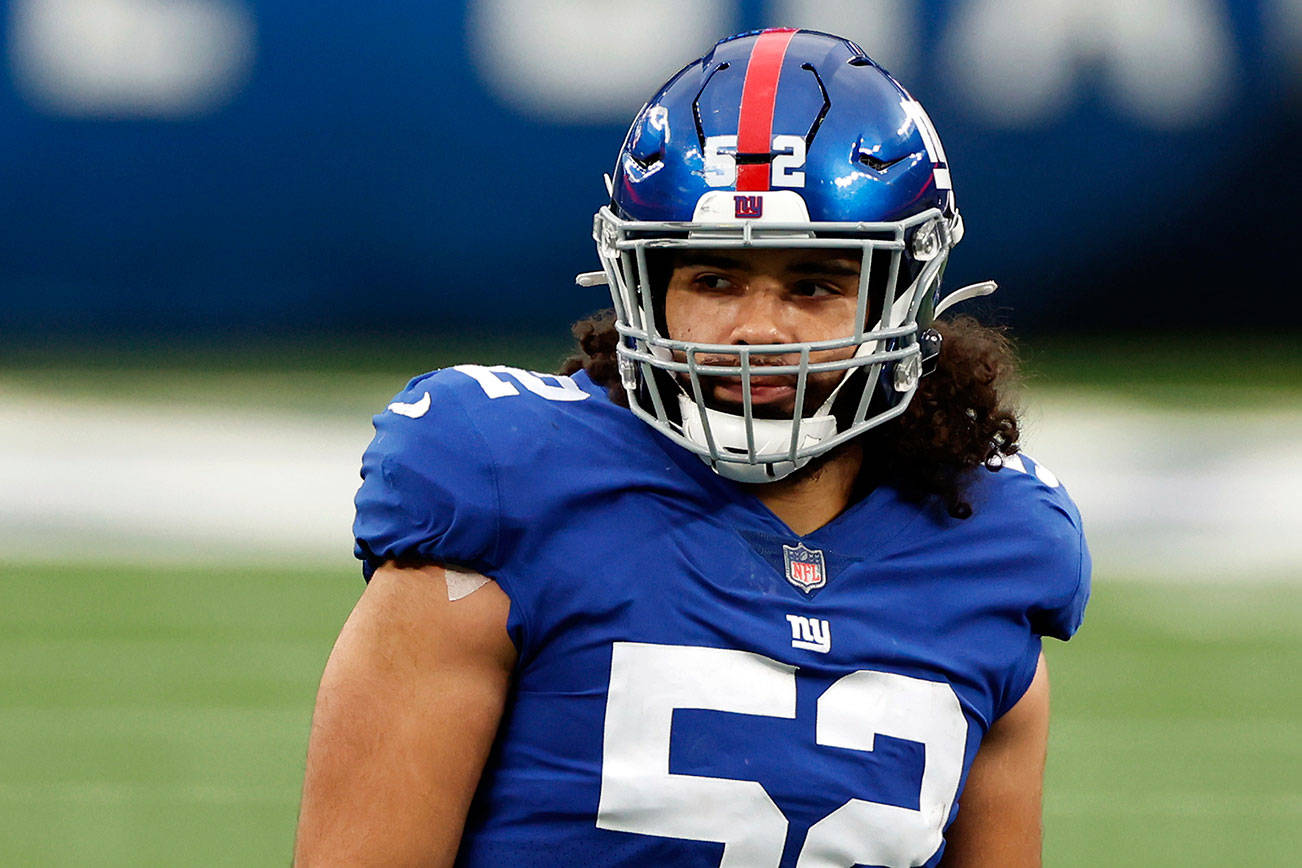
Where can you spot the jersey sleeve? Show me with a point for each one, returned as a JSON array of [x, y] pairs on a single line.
[[429, 491], [1046, 569], [1060, 607], [1049, 561], [1061, 613]]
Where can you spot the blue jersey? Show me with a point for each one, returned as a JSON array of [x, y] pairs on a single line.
[[697, 684]]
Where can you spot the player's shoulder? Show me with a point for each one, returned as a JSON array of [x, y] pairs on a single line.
[[503, 405], [1038, 535], [1024, 489], [482, 387], [1022, 512], [465, 454], [525, 429]]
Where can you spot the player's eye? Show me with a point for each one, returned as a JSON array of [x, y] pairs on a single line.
[[713, 282], [817, 289]]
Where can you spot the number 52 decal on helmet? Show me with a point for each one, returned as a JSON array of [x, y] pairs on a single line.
[[788, 159]]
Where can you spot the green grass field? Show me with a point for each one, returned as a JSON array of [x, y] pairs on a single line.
[[160, 716]]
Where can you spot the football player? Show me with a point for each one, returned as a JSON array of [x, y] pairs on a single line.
[[761, 578]]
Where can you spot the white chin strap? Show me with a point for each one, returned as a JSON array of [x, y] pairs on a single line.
[[771, 435]]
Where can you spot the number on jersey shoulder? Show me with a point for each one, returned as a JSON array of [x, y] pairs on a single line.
[[497, 382], [1038, 470]]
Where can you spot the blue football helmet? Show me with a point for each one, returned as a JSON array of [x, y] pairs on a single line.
[[779, 138]]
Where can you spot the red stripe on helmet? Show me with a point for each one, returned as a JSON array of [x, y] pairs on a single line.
[[758, 96]]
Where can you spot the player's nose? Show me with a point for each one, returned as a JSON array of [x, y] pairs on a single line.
[[761, 316]]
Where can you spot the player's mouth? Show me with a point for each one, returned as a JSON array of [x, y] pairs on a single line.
[[764, 391]]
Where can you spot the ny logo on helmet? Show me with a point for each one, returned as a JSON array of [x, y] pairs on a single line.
[[749, 207]]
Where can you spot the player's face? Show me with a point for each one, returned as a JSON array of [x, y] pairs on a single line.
[[749, 297]]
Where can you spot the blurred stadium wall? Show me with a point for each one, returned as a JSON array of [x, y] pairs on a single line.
[[219, 167]]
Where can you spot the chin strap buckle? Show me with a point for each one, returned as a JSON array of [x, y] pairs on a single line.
[[929, 340], [929, 350]]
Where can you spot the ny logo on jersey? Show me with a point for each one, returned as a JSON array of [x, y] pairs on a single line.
[[806, 568], [810, 634]]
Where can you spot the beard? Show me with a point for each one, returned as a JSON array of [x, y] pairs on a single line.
[[772, 397]]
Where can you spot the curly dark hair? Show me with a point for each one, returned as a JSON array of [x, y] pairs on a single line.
[[962, 417]]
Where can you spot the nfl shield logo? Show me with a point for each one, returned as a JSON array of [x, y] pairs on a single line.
[[805, 567]]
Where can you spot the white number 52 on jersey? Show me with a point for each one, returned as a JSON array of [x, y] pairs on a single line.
[[639, 794]]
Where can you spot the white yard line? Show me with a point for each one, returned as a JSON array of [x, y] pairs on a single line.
[[1179, 494], [83, 480], [1165, 494]]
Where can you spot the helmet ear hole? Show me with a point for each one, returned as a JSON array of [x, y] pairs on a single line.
[[879, 281], [660, 267], [667, 390], [930, 342], [846, 404]]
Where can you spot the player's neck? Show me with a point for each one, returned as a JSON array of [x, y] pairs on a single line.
[[812, 497]]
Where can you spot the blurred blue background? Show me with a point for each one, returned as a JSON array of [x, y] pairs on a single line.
[[214, 168]]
